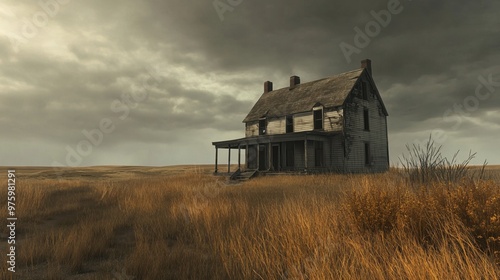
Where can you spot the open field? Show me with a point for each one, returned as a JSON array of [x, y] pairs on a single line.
[[181, 222]]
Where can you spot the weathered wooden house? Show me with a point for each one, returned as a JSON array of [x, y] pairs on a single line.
[[336, 124]]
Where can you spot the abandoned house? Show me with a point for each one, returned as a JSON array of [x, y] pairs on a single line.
[[336, 124]]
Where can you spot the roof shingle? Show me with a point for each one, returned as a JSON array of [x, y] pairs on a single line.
[[330, 92]]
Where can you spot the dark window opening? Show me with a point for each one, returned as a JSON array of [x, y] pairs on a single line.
[[289, 124], [262, 157], [364, 90], [262, 126], [318, 153], [367, 154], [289, 154], [366, 119], [318, 119]]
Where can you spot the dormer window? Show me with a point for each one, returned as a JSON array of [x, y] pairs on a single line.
[[318, 118], [263, 126]]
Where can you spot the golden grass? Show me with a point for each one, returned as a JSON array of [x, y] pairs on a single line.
[[192, 225]]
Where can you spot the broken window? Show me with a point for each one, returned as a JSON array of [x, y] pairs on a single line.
[[262, 126]]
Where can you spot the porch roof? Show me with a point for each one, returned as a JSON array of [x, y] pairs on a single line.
[[262, 139]]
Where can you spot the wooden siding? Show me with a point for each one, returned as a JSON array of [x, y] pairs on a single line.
[[357, 136], [337, 153], [252, 129], [276, 126], [332, 122], [303, 122]]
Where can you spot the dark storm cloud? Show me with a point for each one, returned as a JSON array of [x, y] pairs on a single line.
[[209, 72]]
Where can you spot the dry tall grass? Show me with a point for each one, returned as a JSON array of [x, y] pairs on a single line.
[[195, 226]]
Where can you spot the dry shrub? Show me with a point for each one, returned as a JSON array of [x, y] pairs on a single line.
[[426, 213], [425, 164], [477, 205]]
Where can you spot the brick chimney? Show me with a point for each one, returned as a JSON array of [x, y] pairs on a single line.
[[366, 63], [268, 86], [294, 80]]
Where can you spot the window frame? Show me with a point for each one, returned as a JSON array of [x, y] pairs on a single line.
[[368, 154], [263, 126], [289, 124], [290, 154], [364, 90], [366, 119], [315, 120]]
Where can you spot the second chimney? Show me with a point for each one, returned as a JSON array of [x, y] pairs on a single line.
[[268, 86], [294, 80]]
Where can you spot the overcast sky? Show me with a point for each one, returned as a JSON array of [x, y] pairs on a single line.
[[155, 82]]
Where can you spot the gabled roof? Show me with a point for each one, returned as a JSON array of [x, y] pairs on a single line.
[[329, 92]]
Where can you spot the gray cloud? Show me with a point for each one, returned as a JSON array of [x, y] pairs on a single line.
[[209, 73]]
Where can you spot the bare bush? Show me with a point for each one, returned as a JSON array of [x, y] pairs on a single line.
[[426, 164]]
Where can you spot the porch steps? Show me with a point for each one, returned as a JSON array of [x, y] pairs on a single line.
[[244, 175]]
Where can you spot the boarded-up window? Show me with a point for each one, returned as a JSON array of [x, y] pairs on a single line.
[[368, 154], [262, 126], [289, 124], [366, 119], [318, 153], [318, 119], [290, 154]]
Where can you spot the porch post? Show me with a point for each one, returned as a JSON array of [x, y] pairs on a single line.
[[269, 152], [239, 156], [305, 152], [246, 156], [216, 157], [229, 160], [258, 156]]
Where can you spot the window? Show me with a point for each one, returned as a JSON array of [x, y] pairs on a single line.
[[290, 154], [262, 126], [366, 119], [368, 155], [289, 124], [318, 153], [318, 119], [364, 90]]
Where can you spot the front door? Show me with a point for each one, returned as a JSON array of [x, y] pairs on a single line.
[[276, 158]]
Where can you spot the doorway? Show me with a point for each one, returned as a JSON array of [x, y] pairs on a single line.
[[276, 158], [262, 157]]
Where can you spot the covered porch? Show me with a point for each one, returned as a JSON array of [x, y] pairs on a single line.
[[277, 153]]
